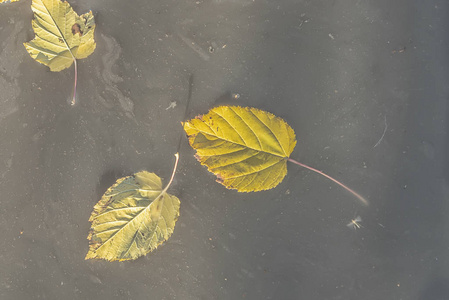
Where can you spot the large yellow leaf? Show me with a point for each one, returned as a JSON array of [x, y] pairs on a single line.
[[132, 218], [61, 35], [246, 148]]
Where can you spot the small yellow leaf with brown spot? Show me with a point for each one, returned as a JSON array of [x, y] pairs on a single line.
[[61, 34]]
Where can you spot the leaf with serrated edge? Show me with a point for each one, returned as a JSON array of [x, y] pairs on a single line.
[[132, 218], [245, 147], [61, 35]]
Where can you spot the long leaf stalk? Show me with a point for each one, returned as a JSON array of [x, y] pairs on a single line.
[[173, 174], [76, 78], [358, 196]]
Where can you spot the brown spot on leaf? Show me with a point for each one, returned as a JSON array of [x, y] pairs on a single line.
[[219, 178], [76, 28]]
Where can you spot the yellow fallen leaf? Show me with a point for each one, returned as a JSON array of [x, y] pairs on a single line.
[[133, 217], [61, 35], [246, 148]]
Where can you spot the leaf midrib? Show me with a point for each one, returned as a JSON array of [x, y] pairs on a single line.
[[57, 27], [244, 145], [243, 118], [143, 210]]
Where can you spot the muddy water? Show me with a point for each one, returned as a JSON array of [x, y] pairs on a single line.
[[363, 84]]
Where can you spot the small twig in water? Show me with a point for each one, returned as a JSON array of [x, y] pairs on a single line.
[[189, 98], [383, 134], [172, 105]]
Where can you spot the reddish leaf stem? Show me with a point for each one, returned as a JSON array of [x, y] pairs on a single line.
[[173, 174], [363, 200], [74, 85]]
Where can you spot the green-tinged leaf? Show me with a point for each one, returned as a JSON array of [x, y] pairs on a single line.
[[61, 35], [132, 218], [246, 148]]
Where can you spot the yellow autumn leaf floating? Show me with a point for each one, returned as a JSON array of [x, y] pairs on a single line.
[[7, 1], [133, 217], [246, 148], [62, 36]]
